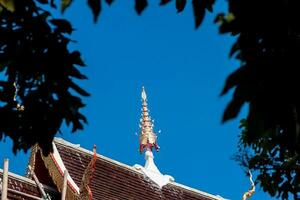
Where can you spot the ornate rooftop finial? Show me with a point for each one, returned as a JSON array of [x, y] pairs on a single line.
[[144, 95], [148, 138]]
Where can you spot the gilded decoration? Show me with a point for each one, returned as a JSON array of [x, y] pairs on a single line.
[[85, 190], [148, 138], [53, 170], [57, 176]]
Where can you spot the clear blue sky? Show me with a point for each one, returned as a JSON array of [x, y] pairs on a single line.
[[183, 71]]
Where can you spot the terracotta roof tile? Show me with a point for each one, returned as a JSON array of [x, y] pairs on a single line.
[[116, 181]]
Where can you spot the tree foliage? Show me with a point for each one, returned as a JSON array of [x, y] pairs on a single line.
[[38, 91], [38, 75], [268, 46], [40, 64]]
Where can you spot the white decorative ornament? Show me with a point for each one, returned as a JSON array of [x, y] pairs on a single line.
[[151, 171]]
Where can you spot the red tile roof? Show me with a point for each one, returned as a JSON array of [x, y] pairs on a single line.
[[17, 184], [113, 180]]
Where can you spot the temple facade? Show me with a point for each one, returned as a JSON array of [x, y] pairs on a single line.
[[72, 172]]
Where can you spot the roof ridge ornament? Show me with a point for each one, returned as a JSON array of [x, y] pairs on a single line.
[[148, 139], [85, 189], [144, 95]]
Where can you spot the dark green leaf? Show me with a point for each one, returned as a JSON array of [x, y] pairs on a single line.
[[76, 58], [95, 6], [62, 25], [74, 72], [77, 126], [180, 5], [199, 11], [43, 1], [234, 49], [164, 2], [234, 79], [78, 89], [232, 109], [45, 15], [82, 117], [140, 6], [65, 4], [209, 5]]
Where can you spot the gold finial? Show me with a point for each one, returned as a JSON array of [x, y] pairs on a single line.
[[144, 95], [148, 138]]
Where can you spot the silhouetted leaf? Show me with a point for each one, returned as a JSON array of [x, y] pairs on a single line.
[[235, 48], [77, 126], [82, 117], [65, 4], [199, 11], [62, 25], [78, 89], [232, 109], [180, 5], [43, 1], [140, 6], [76, 58], [95, 6], [109, 2], [234, 79], [209, 5], [164, 2], [74, 72]]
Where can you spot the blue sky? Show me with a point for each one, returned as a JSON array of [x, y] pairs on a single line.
[[183, 71]]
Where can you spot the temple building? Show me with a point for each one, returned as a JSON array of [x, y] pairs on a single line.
[[72, 172]]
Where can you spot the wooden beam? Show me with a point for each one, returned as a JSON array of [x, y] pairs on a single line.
[[24, 194], [65, 185], [39, 185], [5, 180]]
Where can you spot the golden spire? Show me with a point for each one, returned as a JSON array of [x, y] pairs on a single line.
[[148, 138]]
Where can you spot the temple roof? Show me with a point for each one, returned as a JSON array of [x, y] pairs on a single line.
[[113, 180], [17, 184], [94, 176]]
